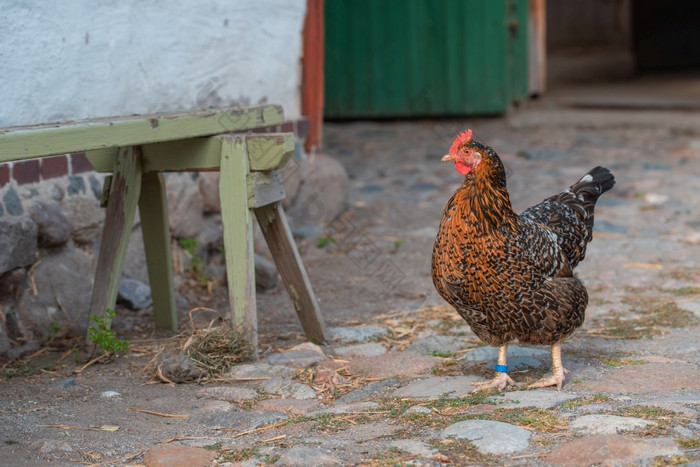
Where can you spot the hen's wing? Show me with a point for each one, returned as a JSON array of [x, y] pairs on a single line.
[[569, 214]]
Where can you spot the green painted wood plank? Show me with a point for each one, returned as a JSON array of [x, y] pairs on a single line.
[[119, 219], [269, 151], [18, 143], [238, 235], [273, 223], [156, 240], [266, 152]]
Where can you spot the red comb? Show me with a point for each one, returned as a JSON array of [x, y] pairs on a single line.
[[463, 137]]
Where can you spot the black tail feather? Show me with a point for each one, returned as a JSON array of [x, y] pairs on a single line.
[[589, 188]]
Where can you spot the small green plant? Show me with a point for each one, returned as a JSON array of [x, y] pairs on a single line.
[[196, 264], [687, 291], [324, 240], [189, 244], [103, 336], [688, 443], [398, 243], [613, 361], [54, 328], [441, 354]]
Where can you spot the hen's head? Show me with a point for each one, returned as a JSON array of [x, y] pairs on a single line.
[[464, 153]]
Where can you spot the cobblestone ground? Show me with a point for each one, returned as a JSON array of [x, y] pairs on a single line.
[[393, 385]]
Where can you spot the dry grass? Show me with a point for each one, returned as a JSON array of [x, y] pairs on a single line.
[[216, 349]]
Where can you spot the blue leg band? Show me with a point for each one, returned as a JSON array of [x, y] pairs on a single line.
[[502, 368]]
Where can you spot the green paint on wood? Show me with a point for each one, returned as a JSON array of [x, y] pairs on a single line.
[[156, 239], [26, 142], [238, 234], [394, 58], [269, 152]]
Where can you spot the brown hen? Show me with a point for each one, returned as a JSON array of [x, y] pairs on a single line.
[[511, 276]]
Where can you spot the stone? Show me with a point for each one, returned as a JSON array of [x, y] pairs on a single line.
[[367, 431], [64, 279], [490, 437], [228, 393], [367, 406], [52, 447], [323, 192], [371, 349], [356, 334], [690, 306], [374, 390], [541, 398], [216, 406], [414, 447], [265, 274], [179, 368], [64, 383], [18, 243], [208, 184], [13, 205], [87, 218], [293, 406], [185, 205], [418, 409], [435, 344], [134, 294], [178, 455], [241, 420], [259, 370], [53, 226], [135, 262], [611, 450], [487, 353], [285, 388], [299, 357], [645, 378], [606, 424], [76, 185], [326, 374], [304, 456], [437, 387], [392, 364]]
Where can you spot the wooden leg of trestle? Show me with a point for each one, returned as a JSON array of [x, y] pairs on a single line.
[[153, 207], [119, 220], [273, 223], [237, 222]]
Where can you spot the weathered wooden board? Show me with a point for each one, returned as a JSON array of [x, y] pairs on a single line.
[[156, 240], [18, 143], [237, 223], [119, 219], [273, 223], [269, 151]]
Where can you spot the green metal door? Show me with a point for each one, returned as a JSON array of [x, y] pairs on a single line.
[[410, 58]]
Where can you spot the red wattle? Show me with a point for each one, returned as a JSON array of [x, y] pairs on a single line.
[[462, 168]]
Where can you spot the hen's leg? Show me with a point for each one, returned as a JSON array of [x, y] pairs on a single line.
[[502, 379], [558, 371]]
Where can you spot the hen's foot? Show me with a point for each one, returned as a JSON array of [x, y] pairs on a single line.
[[499, 382], [557, 379]]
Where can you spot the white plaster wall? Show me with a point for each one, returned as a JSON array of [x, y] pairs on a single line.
[[74, 59]]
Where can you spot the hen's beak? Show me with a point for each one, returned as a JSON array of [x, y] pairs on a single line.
[[447, 157]]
